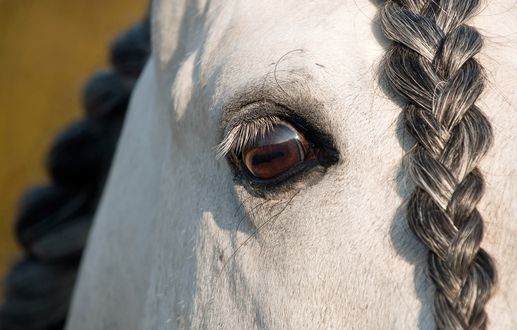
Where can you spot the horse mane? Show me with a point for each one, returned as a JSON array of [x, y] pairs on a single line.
[[53, 221], [432, 65]]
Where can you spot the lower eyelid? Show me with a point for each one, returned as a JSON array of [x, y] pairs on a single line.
[[277, 182]]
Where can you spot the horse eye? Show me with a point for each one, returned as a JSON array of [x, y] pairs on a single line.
[[276, 152]]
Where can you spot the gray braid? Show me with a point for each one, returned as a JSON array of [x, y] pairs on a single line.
[[432, 65]]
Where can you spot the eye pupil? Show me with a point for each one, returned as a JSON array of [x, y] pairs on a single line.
[[260, 159], [275, 153]]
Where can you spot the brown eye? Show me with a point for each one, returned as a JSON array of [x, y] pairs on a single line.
[[276, 152]]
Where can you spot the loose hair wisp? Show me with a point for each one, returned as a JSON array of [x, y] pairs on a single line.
[[432, 65]]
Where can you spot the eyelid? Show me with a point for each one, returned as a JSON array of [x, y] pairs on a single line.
[[262, 115], [244, 134]]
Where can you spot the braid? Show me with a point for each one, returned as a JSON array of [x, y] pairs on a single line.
[[432, 65], [53, 221]]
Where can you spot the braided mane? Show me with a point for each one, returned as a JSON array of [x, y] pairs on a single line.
[[432, 65]]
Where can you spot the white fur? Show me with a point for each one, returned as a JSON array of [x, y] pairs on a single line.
[[335, 254]]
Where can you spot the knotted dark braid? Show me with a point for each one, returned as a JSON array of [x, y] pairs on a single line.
[[432, 65], [54, 220]]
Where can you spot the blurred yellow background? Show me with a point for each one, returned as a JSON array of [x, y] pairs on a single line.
[[48, 48]]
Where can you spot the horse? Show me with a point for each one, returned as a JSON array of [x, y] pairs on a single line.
[[331, 164]]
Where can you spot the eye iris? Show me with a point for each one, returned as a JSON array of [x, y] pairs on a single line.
[[275, 153]]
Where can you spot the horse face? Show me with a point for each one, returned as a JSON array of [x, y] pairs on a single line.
[[291, 253], [186, 239]]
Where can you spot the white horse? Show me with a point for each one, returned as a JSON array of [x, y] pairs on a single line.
[[318, 239]]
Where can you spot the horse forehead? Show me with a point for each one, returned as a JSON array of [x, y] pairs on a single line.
[[340, 35], [268, 20], [241, 31]]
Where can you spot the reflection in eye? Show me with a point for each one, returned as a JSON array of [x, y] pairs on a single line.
[[277, 151]]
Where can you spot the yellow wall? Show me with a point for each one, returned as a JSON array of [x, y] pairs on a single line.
[[48, 48]]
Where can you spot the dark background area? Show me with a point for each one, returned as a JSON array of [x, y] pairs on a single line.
[[48, 49]]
